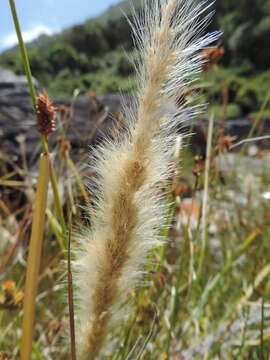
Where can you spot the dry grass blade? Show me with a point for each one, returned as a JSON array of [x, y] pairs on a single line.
[[257, 138], [136, 345], [151, 332]]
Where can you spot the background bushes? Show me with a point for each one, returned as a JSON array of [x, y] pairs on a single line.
[[93, 53]]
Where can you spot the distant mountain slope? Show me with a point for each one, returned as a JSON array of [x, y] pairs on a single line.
[[87, 56], [113, 13], [91, 56]]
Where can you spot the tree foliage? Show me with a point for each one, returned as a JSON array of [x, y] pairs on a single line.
[[94, 50]]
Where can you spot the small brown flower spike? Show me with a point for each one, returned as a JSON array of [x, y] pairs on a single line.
[[11, 298], [211, 56], [45, 115], [4, 355]]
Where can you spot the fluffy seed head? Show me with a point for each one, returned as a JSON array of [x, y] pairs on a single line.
[[133, 170]]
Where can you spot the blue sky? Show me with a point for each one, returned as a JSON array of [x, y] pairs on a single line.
[[46, 16]]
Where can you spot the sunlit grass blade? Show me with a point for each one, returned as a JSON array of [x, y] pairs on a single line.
[[33, 262]]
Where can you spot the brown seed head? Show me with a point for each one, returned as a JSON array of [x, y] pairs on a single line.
[[199, 165], [178, 189], [224, 142], [4, 355], [212, 57], [9, 288], [45, 114], [11, 299]]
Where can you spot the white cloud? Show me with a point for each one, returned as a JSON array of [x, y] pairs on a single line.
[[29, 35]]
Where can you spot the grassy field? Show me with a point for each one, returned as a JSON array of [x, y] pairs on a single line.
[[205, 294], [196, 302]]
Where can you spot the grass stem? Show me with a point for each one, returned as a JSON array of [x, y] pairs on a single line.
[[70, 296], [26, 63], [32, 91], [57, 201], [33, 262], [205, 191]]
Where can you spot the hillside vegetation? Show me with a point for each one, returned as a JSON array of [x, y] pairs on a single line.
[[204, 294], [93, 56]]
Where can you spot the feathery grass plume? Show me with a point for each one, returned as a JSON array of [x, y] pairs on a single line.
[[130, 208]]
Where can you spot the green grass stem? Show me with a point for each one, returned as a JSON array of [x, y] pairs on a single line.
[[32, 91], [26, 63]]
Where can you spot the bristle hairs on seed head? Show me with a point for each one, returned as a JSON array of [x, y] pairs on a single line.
[[170, 47], [131, 172]]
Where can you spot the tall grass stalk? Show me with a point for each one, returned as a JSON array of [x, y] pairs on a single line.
[[70, 296], [248, 140], [32, 91], [33, 261], [205, 192], [26, 63], [79, 180]]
